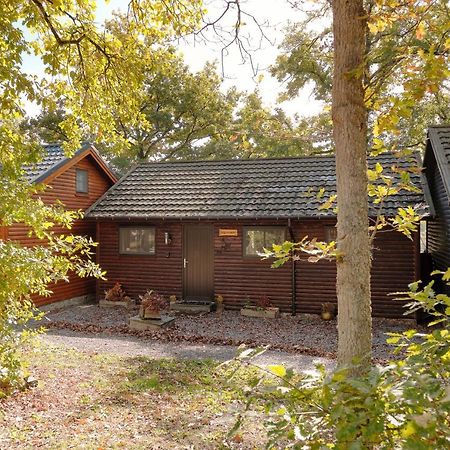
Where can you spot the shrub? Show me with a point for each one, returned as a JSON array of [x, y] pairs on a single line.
[[263, 302], [152, 301], [116, 294], [402, 405]]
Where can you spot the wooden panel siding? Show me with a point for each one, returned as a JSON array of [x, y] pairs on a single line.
[[138, 273], [393, 269], [240, 279], [315, 282], [62, 188], [438, 227]]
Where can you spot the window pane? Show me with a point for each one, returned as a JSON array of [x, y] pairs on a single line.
[[137, 240], [274, 236], [81, 180], [254, 242], [259, 238], [330, 234]]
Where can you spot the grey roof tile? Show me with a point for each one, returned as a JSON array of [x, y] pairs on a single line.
[[53, 155], [263, 188], [53, 158]]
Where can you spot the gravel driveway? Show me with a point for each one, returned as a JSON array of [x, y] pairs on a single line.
[[302, 334], [134, 346]]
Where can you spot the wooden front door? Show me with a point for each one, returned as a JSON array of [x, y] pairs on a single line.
[[198, 262]]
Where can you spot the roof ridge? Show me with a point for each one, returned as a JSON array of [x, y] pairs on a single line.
[[237, 160], [46, 173], [250, 160]]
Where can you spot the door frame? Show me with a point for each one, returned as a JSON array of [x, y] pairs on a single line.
[[184, 255]]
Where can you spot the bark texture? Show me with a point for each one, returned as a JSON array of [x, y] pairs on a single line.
[[350, 137]]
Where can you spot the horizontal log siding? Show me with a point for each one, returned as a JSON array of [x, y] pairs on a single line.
[[62, 188], [138, 273], [393, 268], [392, 271], [439, 227], [315, 282], [241, 279]]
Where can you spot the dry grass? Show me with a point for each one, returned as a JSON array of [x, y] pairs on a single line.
[[93, 401]]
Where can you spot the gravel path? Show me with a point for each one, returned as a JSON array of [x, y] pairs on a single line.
[[133, 346], [304, 333]]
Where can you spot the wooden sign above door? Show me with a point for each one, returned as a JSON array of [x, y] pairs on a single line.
[[227, 232]]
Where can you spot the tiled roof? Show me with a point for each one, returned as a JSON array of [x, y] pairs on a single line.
[[439, 137], [258, 188], [53, 158]]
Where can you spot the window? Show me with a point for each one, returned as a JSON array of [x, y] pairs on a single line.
[[330, 234], [82, 180], [137, 240], [257, 239]]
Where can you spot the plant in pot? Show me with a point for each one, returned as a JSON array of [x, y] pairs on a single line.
[[116, 296], [152, 305], [263, 307], [328, 311]]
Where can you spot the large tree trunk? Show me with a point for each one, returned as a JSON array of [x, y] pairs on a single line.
[[350, 137]]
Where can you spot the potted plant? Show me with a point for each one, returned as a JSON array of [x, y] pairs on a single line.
[[328, 311], [116, 296], [263, 308], [152, 305]]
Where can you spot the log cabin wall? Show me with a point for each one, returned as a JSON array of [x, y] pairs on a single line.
[[138, 273], [62, 188], [240, 279], [438, 227], [393, 268]]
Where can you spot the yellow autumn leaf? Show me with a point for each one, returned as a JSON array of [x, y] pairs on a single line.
[[409, 429], [420, 31], [278, 370]]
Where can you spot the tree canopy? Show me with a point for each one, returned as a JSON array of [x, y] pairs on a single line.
[[406, 64], [93, 70]]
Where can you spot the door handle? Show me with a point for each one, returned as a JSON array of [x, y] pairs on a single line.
[[185, 263]]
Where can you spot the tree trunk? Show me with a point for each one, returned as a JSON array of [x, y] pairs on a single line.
[[350, 137]]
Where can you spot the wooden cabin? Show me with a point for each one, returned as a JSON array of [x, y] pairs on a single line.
[[77, 182], [195, 230], [436, 164]]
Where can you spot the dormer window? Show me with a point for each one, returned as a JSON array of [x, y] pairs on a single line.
[[82, 181]]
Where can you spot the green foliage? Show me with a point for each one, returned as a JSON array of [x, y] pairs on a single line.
[[404, 404], [192, 119], [312, 250], [97, 72], [258, 132], [407, 66]]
